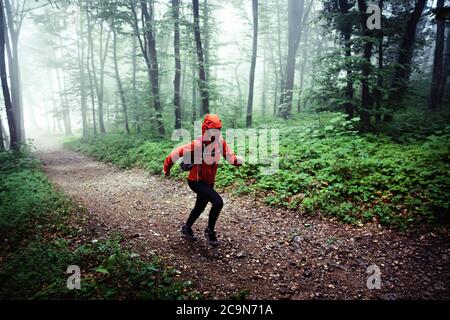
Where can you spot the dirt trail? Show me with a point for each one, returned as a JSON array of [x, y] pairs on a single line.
[[258, 252]]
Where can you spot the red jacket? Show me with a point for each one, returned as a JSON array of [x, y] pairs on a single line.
[[205, 167]]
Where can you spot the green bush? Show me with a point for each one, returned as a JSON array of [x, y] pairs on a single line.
[[326, 166], [37, 246]]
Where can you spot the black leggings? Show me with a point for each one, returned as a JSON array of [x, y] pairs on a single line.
[[205, 193]]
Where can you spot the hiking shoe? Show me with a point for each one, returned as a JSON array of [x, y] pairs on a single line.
[[211, 236], [187, 232]]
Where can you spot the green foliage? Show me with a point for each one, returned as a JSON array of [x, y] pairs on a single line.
[[333, 170], [144, 280], [326, 167], [27, 199], [38, 247], [416, 124], [124, 151]]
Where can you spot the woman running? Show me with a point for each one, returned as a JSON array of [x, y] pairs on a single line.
[[202, 156]]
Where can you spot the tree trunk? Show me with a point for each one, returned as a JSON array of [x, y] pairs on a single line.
[[378, 95], [280, 54], [202, 84], [83, 97], [62, 92], [238, 82], [2, 145], [346, 31], [402, 68], [445, 67], [119, 83], [92, 93], [94, 75], [103, 55], [295, 16], [13, 135], [176, 47], [302, 70], [275, 72], [4, 134], [365, 69], [17, 92], [206, 37], [133, 82], [253, 64], [438, 56], [264, 80], [152, 60], [183, 87], [63, 102], [348, 106], [12, 41], [98, 84], [194, 95]]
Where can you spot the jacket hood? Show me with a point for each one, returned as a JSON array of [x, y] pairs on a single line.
[[212, 121]]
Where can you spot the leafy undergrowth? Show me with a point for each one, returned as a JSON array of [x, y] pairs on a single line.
[[39, 242], [324, 166]]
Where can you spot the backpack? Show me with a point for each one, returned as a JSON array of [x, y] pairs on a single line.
[[188, 167]]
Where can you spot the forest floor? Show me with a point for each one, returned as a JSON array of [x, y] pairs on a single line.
[[265, 252]]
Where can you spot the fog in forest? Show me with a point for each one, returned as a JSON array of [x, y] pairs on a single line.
[[225, 150], [73, 57]]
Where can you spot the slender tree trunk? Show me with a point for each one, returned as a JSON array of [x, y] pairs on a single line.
[[18, 88], [275, 95], [202, 84], [302, 70], [275, 72], [280, 54], [445, 67], [348, 106], [253, 64], [99, 84], [103, 55], [92, 93], [402, 68], [4, 134], [438, 57], [119, 84], [365, 69], [206, 37], [63, 94], [63, 102], [194, 95], [108, 110], [83, 96], [2, 145], [346, 31], [238, 83], [295, 16], [264, 80], [13, 135], [378, 95], [183, 88], [176, 47], [94, 75], [153, 62], [133, 82], [55, 110], [12, 40]]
